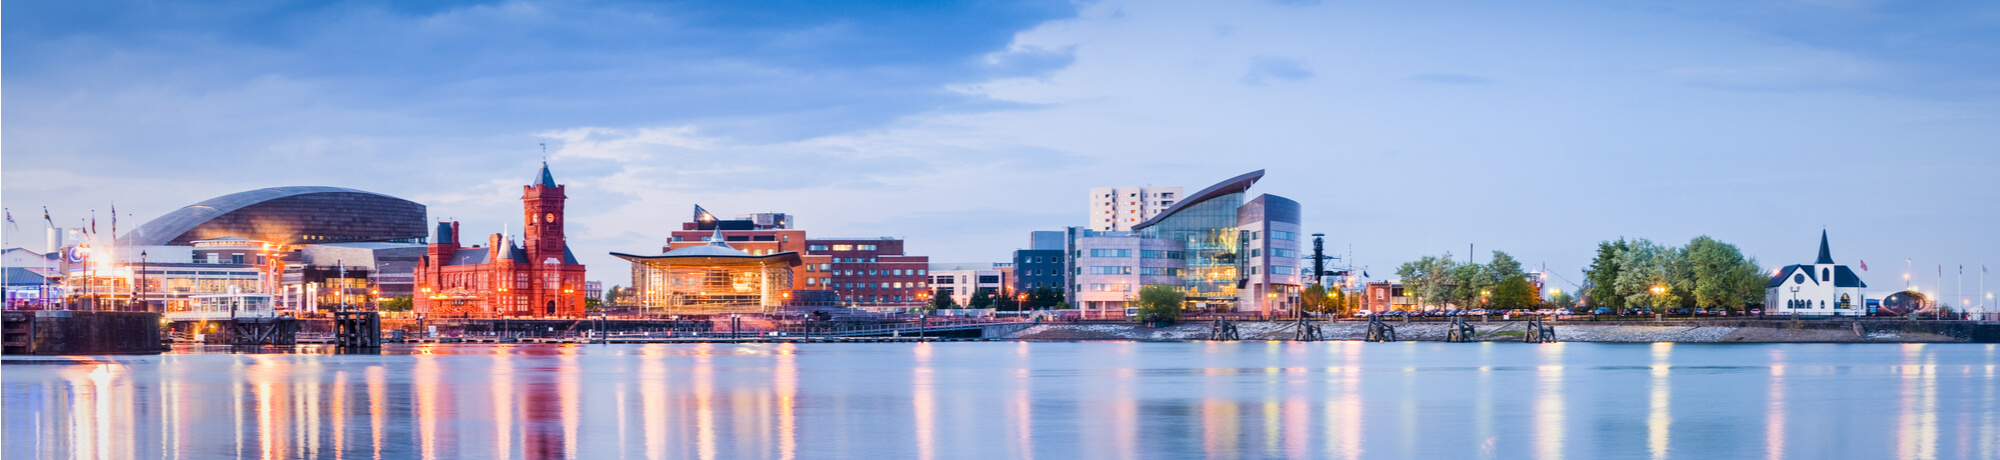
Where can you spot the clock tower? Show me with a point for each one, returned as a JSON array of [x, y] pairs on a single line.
[[542, 201]]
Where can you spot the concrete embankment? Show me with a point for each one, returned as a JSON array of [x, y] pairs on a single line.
[[1700, 331], [51, 332]]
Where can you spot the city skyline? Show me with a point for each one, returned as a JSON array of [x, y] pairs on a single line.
[[962, 128]]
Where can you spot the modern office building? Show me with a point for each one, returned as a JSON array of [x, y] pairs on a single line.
[[1120, 208], [1038, 268], [962, 280], [540, 278], [1225, 253]]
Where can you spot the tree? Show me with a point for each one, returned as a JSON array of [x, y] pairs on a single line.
[[1514, 292], [1603, 275], [942, 301], [592, 303], [1647, 275], [614, 296], [1314, 299], [1425, 279], [1160, 303], [398, 303], [1563, 300], [981, 298]]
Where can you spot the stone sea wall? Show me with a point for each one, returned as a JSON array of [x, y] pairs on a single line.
[[1575, 331]]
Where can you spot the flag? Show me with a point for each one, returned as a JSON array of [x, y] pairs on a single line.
[[1864, 265], [114, 220], [10, 220], [45, 216], [93, 222]]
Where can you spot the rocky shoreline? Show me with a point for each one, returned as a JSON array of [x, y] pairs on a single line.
[[1576, 331]]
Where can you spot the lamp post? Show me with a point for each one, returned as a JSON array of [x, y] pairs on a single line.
[[1794, 306], [136, 292]]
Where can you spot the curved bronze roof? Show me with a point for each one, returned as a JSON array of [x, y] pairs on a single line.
[[1233, 185], [287, 215]]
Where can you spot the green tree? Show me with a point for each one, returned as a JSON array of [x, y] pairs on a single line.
[[981, 298], [1514, 292], [1603, 275], [1426, 279], [592, 303], [1160, 303], [1563, 300], [1314, 299], [398, 303], [942, 301], [1648, 275]]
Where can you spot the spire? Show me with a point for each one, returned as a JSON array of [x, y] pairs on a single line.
[[1825, 254], [546, 179], [717, 239]]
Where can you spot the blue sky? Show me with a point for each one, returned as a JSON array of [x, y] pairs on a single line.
[[1405, 128]]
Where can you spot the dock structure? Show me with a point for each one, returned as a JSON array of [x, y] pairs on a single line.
[[1306, 331], [1379, 331], [1223, 330], [357, 329], [1459, 330], [1539, 331]]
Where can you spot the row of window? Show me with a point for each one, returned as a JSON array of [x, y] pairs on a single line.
[[1111, 287], [1111, 253], [1276, 235], [887, 285], [828, 268], [1275, 252], [840, 247], [1110, 270], [1040, 259], [1278, 270]]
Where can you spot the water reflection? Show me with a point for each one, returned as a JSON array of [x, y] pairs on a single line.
[[1018, 400]]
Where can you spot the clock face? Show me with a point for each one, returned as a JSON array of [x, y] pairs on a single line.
[[550, 218]]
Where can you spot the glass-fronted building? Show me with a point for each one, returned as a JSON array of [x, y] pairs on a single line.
[[1225, 252]]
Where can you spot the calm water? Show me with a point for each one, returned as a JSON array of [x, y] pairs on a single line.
[[1021, 400]]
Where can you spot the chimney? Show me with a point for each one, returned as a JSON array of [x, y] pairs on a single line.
[[493, 248]]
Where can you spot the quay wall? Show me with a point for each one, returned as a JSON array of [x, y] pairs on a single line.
[[1683, 331], [52, 332]]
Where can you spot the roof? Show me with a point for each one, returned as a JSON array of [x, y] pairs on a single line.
[[1825, 254], [225, 239], [716, 251], [546, 179], [1232, 185], [1842, 276], [18, 276], [468, 256], [163, 230]]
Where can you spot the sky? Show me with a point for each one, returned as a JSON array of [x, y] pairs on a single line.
[[1404, 128]]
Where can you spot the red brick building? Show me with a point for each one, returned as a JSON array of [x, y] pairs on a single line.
[[539, 278]]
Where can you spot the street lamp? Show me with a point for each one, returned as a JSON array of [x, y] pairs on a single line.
[[142, 281]]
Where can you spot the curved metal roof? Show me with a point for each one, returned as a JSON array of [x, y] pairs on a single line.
[[1233, 185], [715, 252], [166, 228]]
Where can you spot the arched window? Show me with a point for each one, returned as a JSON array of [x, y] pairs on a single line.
[[1826, 273]]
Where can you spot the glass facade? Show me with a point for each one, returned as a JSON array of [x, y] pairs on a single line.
[[1212, 244]]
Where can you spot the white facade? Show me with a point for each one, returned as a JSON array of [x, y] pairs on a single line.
[[1822, 288], [960, 281], [1107, 269], [1117, 209]]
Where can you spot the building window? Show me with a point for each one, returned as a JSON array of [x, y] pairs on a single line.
[[1824, 273], [843, 247], [1281, 270], [1110, 270], [1111, 253], [865, 247], [1256, 252]]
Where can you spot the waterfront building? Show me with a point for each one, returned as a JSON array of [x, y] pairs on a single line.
[[962, 281], [539, 278], [357, 275], [1038, 268], [712, 278], [1821, 288], [1381, 296], [870, 272], [1200, 243], [288, 216], [1115, 209]]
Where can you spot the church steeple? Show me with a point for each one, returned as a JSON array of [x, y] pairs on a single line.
[[1825, 254]]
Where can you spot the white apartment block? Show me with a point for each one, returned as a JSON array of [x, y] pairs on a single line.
[[1117, 209]]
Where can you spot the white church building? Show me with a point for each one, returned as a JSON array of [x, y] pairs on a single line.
[[1822, 288]]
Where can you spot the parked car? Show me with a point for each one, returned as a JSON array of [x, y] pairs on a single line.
[[1362, 313], [1601, 311]]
